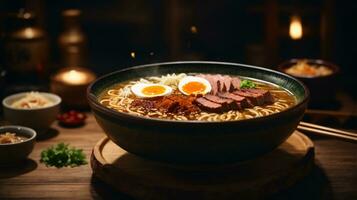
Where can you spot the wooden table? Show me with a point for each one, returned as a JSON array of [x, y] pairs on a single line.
[[334, 177]]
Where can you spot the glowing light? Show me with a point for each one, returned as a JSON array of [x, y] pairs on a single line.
[[75, 77], [27, 15], [29, 33], [193, 29], [295, 29], [132, 54]]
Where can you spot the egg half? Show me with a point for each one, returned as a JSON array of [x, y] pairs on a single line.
[[144, 90], [191, 85]]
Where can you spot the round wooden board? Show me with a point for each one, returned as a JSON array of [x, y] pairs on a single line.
[[254, 179]]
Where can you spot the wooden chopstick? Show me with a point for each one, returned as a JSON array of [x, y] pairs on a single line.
[[331, 113], [327, 131]]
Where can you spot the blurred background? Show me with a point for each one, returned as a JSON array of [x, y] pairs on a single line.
[[105, 36]]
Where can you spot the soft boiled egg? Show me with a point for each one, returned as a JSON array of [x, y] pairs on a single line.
[[191, 85], [145, 90]]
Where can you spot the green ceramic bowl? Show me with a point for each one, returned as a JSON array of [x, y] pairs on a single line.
[[198, 142]]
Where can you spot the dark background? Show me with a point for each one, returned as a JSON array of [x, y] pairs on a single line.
[[251, 32], [244, 31]]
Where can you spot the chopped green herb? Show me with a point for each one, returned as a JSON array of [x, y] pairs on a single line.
[[61, 155], [247, 84]]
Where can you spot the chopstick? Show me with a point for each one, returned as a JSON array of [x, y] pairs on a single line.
[[327, 131], [331, 113]]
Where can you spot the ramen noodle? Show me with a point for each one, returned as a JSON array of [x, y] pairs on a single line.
[[200, 97]]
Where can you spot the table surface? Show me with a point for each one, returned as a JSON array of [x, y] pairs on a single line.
[[333, 177]]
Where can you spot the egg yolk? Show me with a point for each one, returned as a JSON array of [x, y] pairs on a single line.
[[194, 87], [153, 90]]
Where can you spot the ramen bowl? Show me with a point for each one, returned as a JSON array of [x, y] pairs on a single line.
[[39, 119], [198, 142]]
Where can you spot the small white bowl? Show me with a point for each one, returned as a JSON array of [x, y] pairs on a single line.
[[39, 119]]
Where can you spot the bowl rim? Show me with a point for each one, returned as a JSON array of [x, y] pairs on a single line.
[[57, 98], [34, 134], [94, 103], [335, 68]]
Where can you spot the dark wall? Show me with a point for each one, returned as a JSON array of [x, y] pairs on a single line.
[[226, 30], [345, 52]]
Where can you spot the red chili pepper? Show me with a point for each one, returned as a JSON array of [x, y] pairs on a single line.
[[72, 118]]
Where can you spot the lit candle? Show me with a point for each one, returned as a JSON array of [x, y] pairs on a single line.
[[29, 33], [295, 29], [74, 77], [71, 84], [193, 29]]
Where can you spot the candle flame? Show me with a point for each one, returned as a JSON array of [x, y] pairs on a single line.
[[295, 29], [29, 33], [74, 77], [193, 29], [132, 54]]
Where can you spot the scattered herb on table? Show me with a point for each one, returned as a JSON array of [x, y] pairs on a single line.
[[247, 84], [61, 155]]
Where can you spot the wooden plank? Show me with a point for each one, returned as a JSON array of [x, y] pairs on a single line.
[[47, 191], [334, 177]]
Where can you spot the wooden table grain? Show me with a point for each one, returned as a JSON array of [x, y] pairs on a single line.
[[333, 177]]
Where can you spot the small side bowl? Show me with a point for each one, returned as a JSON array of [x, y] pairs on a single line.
[[322, 88], [17, 152], [39, 119]]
